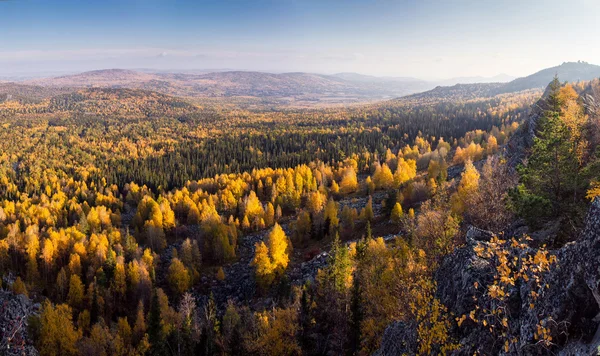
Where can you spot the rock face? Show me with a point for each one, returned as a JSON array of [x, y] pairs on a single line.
[[569, 307], [520, 142], [14, 312], [573, 299]]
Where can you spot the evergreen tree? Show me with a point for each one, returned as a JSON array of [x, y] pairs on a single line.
[[356, 315], [397, 214], [154, 319], [340, 265], [95, 308], [549, 176], [305, 318], [139, 329]]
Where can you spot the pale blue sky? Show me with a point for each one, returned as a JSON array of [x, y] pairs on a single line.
[[420, 38]]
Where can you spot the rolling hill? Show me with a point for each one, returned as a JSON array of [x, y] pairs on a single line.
[[234, 84]]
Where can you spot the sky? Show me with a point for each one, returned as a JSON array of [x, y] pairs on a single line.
[[426, 39]]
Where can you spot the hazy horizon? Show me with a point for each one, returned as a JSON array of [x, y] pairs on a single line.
[[30, 75], [428, 40]]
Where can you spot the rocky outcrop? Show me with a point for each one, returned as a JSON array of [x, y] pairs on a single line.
[[14, 313], [398, 339], [569, 308], [456, 279], [571, 305]]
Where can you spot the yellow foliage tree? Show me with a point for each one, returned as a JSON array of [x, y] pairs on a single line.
[[271, 259], [58, 336], [278, 245], [367, 212], [18, 287], [270, 215], [252, 207], [278, 332], [335, 188], [168, 215], [120, 280], [331, 213], [467, 189], [220, 274], [397, 214], [179, 277], [263, 267], [473, 152], [76, 292], [383, 177], [315, 202], [492, 145], [406, 170], [349, 182]]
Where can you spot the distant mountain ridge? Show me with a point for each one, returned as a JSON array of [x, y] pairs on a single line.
[[357, 77], [309, 87], [228, 84], [500, 78], [297, 85]]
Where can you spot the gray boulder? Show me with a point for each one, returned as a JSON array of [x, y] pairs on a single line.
[[15, 311]]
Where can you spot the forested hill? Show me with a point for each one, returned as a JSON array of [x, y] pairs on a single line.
[[95, 101], [456, 92], [28, 94], [571, 72]]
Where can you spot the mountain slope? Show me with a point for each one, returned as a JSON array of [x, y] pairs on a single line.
[[457, 92], [569, 71]]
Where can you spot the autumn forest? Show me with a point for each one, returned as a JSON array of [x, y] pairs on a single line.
[[146, 224]]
